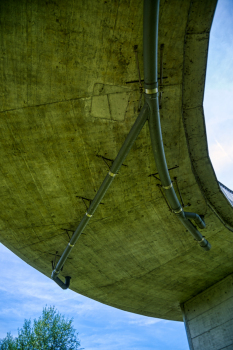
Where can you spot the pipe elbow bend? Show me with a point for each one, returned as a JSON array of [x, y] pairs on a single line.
[[62, 284], [59, 281], [199, 219]]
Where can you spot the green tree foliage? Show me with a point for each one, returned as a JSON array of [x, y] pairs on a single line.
[[50, 332]]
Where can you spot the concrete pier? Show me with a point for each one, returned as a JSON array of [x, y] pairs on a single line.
[[208, 317]]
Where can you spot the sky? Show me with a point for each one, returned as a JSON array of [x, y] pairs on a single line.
[[218, 100], [24, 291]]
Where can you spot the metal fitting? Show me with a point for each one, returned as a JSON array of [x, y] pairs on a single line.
[[178, 211], [151, 91], [111, 174], [168, 187], [71, 245], [89, 215]]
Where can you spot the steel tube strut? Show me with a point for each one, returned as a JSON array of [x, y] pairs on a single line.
[[127, 145], [150, 45]]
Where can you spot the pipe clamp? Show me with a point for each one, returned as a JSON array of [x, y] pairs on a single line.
[[168, 187], [111, 174], [151, 91], [201, 240], [89, 215], [71, 245], [178, 211]]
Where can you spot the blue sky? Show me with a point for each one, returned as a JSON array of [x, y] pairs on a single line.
[[24, 291], [218, 101]]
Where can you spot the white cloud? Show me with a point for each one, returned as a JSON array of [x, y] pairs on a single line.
[[24, 294], [218, 101], [10, 311], [218, 106], [222, 155], [145, 321]]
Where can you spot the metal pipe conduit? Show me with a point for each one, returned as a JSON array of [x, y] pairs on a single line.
[[127, 145], [197, 218], [150, 110], [150, 48]]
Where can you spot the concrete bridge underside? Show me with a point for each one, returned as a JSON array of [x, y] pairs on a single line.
[[69, 96]]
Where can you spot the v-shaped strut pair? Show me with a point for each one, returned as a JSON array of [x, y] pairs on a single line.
[[150, 112]]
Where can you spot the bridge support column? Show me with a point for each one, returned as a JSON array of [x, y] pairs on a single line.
[[208, 317]]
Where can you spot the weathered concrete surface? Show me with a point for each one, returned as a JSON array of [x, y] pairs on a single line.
[[67, 100], [208, 317], [195, 57]]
